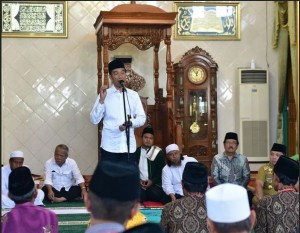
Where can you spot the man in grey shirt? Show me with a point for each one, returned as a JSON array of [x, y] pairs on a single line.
[[230, 166]]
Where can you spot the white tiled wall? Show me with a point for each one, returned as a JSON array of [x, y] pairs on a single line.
[[49, 85]]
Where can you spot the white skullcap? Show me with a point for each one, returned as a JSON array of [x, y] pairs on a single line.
[[227, 203], [17, 154], [171, 147]]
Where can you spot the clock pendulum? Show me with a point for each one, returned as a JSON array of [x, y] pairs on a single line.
[[195, 128]]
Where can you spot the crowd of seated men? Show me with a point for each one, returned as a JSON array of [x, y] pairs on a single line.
[[178, 182]]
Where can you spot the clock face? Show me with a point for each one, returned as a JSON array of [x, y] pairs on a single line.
[[197, 75]]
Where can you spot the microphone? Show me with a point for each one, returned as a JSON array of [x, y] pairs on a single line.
[[122, 83]]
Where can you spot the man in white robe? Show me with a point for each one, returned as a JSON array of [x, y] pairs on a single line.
[[16, 160]]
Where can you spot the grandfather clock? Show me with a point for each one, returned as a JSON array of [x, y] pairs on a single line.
[[195, 96]]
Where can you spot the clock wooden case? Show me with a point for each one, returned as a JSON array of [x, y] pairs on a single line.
[[195, 96]]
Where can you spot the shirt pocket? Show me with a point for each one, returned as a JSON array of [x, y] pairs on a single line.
[[67, 174]]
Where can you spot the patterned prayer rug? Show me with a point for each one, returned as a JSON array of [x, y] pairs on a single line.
[[72, 223], [77, 223], [73, 217]]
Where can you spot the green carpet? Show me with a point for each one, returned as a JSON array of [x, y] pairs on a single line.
[[77, 223], [153, 215], [72, 223], [64, 204]]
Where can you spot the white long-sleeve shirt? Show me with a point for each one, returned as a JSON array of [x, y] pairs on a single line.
[[112, 112], [65, 176], [5, 171], [6, 202], [172, 176]]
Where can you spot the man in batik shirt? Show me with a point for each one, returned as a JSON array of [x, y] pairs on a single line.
[[230, 166], [280, 212], [188, 214]]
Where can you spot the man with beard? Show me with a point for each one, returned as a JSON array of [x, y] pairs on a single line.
[[16, 159], [172, 172], [230, 166], [151, 160]]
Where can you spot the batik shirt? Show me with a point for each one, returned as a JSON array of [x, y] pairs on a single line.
[[234, 171], [185, 215], [278, 213]]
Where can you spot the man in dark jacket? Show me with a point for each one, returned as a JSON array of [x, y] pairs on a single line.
[[151, 160]]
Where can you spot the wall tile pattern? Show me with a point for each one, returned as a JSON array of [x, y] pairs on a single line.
[[49, 85]]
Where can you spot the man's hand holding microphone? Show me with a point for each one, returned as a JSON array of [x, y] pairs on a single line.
[[125, 124]]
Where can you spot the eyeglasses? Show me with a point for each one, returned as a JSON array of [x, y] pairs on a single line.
[[231, 142]]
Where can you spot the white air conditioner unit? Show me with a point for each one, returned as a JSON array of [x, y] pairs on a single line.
[[252, 121]]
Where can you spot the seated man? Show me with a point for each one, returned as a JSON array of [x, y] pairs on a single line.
[[16, 160], [63, 180], [264, 184], [113, 197], [228, 209], [25, 216], [172, 172], [280, 212], [296, 157], [188, 214], [151, 160], [231, 166]]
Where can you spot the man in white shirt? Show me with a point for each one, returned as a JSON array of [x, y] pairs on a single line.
[[118, 140], [16, 160], [63, 179], [172, 172]]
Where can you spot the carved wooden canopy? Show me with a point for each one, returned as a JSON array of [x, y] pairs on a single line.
[[144, 26]]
